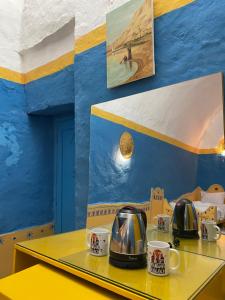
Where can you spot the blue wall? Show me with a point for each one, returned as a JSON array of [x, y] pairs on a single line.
[[26, 162], [51, 94], [211, 170], [189, 43], [26, 147], [154, 163]]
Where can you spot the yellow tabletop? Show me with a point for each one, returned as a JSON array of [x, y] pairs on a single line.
[[175, 286], [70, 250], [214, 249]]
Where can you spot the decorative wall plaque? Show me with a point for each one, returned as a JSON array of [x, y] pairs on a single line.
[[126, 145]]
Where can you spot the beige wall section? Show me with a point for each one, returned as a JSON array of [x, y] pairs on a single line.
[[8, 240]]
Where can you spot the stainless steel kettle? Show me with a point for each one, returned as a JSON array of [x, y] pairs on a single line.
[[128, 238], [185, 221]]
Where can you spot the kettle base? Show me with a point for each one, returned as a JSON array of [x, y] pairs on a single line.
[[126, 261], [191, 234]]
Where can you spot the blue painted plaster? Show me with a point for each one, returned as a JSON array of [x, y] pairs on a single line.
[[211, 170], [26, 162], [154, 164], [8, 139], [189, 43], [51, 94]]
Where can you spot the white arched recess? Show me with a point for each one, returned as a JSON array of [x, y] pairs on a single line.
[[190, 112]]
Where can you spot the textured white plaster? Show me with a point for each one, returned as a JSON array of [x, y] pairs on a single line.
[[50, 48], [24, 24], [43, 18], [91, 14], [10, 25], [88, 15], [184, 111]]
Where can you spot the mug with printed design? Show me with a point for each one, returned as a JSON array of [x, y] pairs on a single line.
[[162, 222], [158, 258], [98, 241], [210, 231]]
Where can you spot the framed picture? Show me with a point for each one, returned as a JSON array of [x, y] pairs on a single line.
[[130, 43]]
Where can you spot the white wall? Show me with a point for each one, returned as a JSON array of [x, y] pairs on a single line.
[[10, 26], [43, 18], [40, 36], [52, 47], [24, 24], [91, 14], [190, 112]]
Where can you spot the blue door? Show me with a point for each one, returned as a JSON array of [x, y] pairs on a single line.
[[64, 174]]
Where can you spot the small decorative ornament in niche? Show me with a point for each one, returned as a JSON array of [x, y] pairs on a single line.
[[126, 145]]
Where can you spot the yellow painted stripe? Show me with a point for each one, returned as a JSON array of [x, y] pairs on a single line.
[[98, 35], [144, 130], [91, 39], [11, 75], [51, 67], [162, 7], [208, 151]]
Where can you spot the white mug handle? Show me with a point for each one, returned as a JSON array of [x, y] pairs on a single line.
[[178, 259], [218, 235]]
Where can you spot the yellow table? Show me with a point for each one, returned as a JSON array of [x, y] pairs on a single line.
[[199, 277]]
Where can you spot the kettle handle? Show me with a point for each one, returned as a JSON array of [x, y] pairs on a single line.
[[144, 217]]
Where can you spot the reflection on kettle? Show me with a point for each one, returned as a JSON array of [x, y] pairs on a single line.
[[128, 239]]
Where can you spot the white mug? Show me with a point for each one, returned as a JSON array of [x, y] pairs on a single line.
[[210, 231], [98, 241], [163, 222], [158, 258]]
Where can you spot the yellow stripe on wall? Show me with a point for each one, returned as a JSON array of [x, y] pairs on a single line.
[[91, 39], [54, 66], [98, 35], [144, 130], [208, 151], [11, 75], [51, 67], [162, 7]]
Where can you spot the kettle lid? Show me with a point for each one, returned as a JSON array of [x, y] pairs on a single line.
[[133, 210], [129, 209]]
